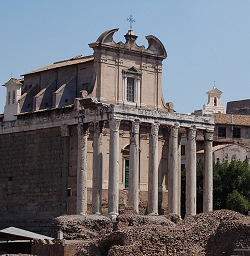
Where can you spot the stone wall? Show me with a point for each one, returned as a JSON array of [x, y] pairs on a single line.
[[33, 176]]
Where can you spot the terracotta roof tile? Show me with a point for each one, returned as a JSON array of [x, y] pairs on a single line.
[[64, 63], [232, 119], [214, 148]]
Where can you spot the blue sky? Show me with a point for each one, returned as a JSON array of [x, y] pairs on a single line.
[[205, 40]]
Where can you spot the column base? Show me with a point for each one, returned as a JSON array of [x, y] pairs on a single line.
[[97, 213], [153, 214], [113, 216], [82, 213]]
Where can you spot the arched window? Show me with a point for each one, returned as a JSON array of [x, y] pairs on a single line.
[[13, 97], [9, 98], [215, 101]]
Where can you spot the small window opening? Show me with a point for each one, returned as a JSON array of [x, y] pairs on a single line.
[[28, 105], [183, 150], [236, 132], [183, 167], [66, 100], [9, 98], [13, 97], [215, 101], [222, 132], [46, 104], [69, 192], [10, 178]]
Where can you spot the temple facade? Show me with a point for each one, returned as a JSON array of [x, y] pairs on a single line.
[[78, 133]]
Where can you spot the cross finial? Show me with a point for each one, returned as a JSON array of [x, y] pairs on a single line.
[[130, 20], [214, 83]]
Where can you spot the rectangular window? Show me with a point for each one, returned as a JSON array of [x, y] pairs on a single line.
[[130, 89], [222, 132], [236, 132]]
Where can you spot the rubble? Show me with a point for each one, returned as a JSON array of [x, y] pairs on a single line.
[[213, 233], [81, 226]]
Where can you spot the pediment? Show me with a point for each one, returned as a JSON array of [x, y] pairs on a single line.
[[13, 82], [214, 91], [132, 70]]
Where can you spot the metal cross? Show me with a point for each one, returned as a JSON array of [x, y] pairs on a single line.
[[130, 20], [214, 82]]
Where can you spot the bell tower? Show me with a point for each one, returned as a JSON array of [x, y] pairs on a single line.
[[13, 93], [214, 102]]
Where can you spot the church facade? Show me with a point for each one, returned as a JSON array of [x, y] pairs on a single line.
[[78, 133]]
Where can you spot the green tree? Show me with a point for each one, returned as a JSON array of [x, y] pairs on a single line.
[[237, 202], [231, 181]]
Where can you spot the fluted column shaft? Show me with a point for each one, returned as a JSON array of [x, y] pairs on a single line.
[[208, 173], [83, 132], [97, 169], [191, 172], [133, 190], [153, 170], [173, 179], [113, 186]]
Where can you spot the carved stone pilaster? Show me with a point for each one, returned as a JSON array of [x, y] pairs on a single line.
[[65, 130]]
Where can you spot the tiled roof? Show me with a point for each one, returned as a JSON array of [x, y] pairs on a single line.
[[76, 60], [232, 119], [214, 148]]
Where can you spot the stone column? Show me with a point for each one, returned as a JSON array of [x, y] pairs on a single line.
[[113, 186], [173, 173], [179, 178], [208, 173], [83, 132], [97, 169], [133, 190], [191, 172], [153, 170]]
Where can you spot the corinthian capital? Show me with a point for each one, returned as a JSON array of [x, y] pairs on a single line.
[[135, 126], [175, 130], [155, 129], [114, 125], [208, 135], [83, 129]]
